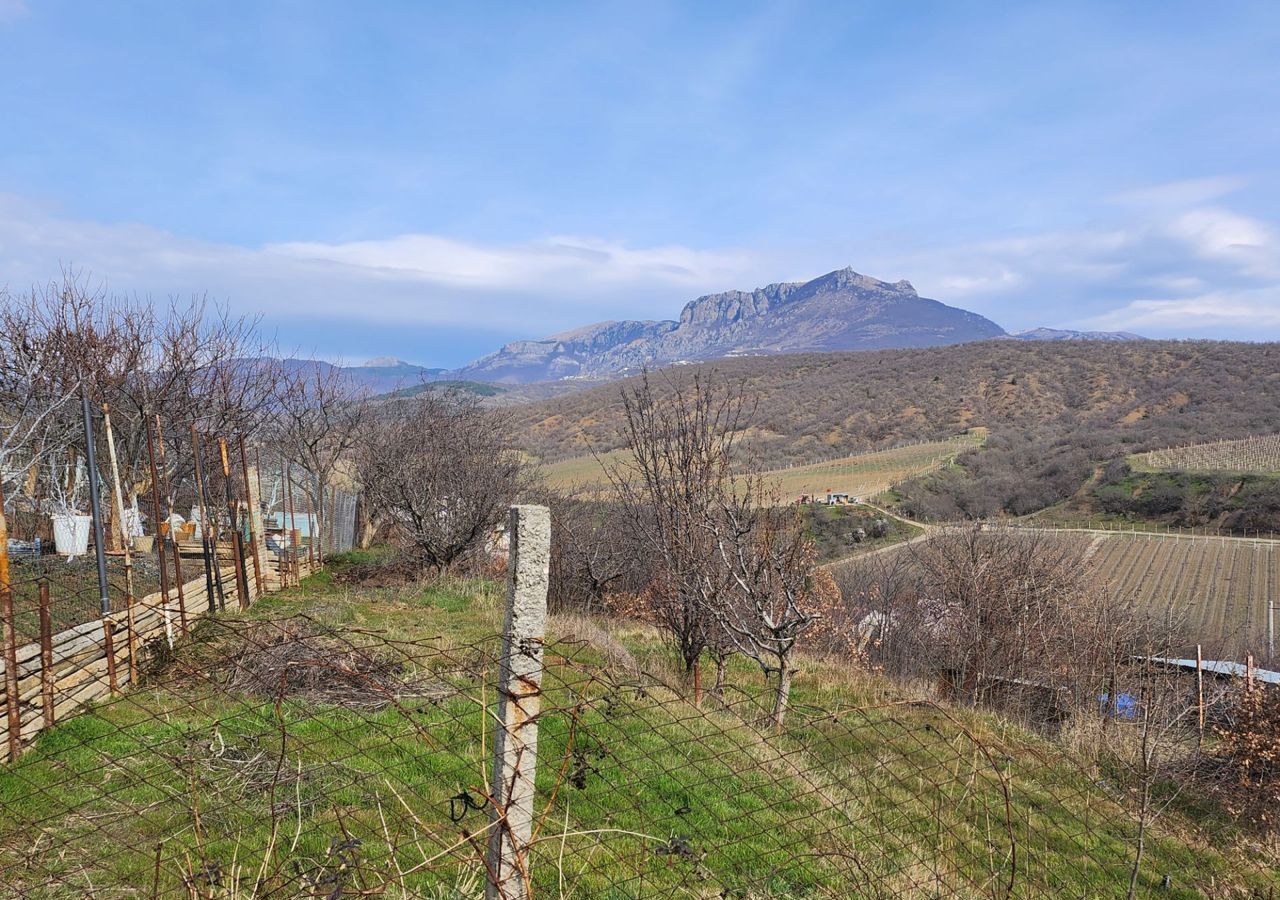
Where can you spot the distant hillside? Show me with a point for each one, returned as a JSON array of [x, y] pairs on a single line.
[[378, 376], [1055, 410], [1060, 334], [388, 374], [842, 310], [479, 388]]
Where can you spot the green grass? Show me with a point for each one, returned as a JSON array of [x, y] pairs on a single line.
[[641, 794]]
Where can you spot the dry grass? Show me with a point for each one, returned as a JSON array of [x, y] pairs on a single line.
[[295, 658]]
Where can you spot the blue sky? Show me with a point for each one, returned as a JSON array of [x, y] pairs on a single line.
[[431, 180]]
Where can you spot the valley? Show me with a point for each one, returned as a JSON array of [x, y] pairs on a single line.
[[1063, 439]]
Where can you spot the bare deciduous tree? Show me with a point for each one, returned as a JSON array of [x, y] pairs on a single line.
[[999, 606], [187, 362], [33, 398], [776, 591], [319, 415], [443, 469], [592, 557], [734, 571], [681, 440]]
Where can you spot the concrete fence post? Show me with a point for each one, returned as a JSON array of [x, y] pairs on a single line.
[[257, 533], [515, 745]]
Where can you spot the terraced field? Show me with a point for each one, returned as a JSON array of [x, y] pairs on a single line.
[[1216, 590], [869, 474], [863, 475], [1219, 588], [1253, 454]]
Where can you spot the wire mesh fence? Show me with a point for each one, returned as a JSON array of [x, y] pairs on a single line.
[[290, 754], [291, 505], [287, 758]]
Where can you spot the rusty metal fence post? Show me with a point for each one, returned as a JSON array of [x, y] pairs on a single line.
[[515, 745]]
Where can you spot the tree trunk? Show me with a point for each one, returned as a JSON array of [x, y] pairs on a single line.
[[721, 664], [783, 695], [1143, 814]]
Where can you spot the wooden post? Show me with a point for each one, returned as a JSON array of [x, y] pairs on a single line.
[[177, 553], [237, 545], [159, 537], [515, 746], [46, 656], [210, 561], [294, 561], [1200, 693], [126, 542], [109, 644]]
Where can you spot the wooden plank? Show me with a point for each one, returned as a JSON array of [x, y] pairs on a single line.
[[57, 676], [11, 666]]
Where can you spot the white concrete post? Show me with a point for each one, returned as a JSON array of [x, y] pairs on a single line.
[[258, 549], [515, 745]]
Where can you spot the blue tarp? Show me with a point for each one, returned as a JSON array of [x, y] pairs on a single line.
[[1126, 705]]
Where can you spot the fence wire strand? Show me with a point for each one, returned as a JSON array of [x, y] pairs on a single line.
[[291, 757]]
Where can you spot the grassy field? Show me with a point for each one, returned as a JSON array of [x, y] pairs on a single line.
[[199, 784], [863, 475]]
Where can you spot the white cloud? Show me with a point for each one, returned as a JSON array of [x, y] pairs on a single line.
[[1258, 309], [562, 263], [1169, 263], [1180, 194], [533, 288], [1162, 270], [1220, 235]]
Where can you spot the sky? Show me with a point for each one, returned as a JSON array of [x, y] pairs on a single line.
[[429, 180]]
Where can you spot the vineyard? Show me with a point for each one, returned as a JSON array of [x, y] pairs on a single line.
[[1218, 589], [1254, 454], [869, 474], [862, 475], [1213, 590]]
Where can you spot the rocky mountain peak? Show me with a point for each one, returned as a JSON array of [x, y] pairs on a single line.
[[842, 310]]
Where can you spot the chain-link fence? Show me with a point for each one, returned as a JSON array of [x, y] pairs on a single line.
[[291, 506], [287, 752]]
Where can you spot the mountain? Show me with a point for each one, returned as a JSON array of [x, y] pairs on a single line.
[[1056, 411], [377, 376], [816, 406], [386, 374], [841, 310], [1060, 334]]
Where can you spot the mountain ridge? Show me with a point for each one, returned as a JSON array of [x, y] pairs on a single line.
[[841, 310]]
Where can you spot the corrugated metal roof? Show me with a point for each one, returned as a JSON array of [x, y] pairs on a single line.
[[1219, 667]]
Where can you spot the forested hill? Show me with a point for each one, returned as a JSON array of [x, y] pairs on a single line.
[[1053, 408]]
